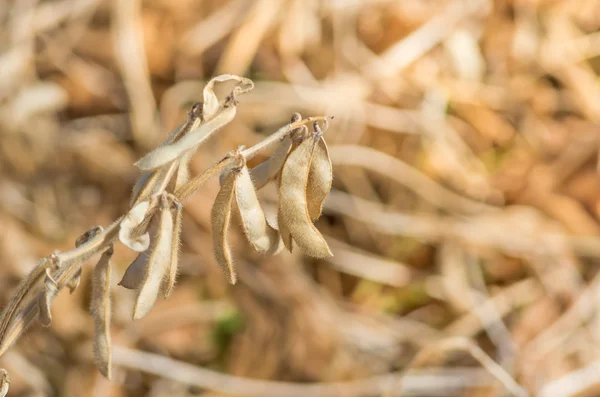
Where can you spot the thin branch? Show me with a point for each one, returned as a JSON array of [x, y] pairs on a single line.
[[189, 188], [192, 186], [279, 135]]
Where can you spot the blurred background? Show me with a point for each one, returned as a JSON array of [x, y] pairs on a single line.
[[464, 216]]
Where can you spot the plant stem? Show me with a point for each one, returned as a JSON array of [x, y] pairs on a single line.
[[279, 135]]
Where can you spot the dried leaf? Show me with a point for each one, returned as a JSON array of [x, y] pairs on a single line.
[[211, 102], [134, 218], [165, 154], [320, 178], [269, 169], [262, 236], [158, 262], [174, 258], [221, 216], [46, 298], [293, 207], [101, 310]]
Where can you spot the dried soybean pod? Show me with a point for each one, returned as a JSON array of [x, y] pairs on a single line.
[[320, 178], [261, 235], [158, 261], [286, 237], [101, 311], [268, 170], [293, 208], [194, 119], [190, 142], [284, 232], [221, 216], [46, 299], [174, 258], [147, 183]]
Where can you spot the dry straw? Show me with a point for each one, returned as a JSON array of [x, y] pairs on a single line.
[[300, 165]]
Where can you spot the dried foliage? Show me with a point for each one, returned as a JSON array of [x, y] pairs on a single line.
[[464, 214], [296, 189], [152, 227], [221, 216]]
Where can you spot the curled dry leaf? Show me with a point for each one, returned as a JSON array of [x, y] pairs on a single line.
[[134, 218], [101, 311], [221, 217], [213, 120], [46, 298], [320, 178], [211, 102], [261, 235], [269, 169], [165, 154], [157, 261], [293, 207], [174, 258]]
